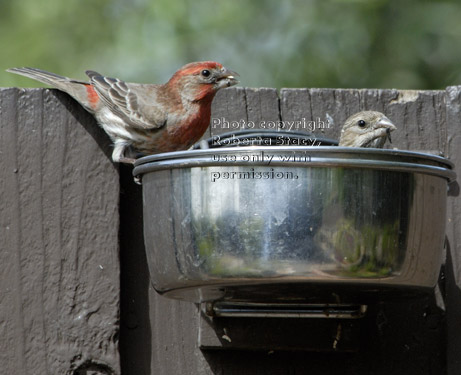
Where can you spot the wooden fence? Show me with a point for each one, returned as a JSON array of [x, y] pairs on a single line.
[[75, 296]]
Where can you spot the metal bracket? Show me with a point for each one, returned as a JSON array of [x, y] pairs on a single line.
[[281, 310]]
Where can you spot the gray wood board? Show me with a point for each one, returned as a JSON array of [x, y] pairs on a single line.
[[453, 118], [59, 269]]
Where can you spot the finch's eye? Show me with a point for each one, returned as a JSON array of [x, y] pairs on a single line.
[[205, 73], [361, 123]]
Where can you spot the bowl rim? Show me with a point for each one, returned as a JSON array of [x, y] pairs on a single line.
[[315, 156]]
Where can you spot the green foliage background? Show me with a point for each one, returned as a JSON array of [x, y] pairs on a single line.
[[271, 43]]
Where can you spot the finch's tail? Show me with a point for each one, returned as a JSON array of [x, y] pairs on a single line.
[[47, 78], [77, 89]]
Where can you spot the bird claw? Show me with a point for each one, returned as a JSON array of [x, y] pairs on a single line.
[[127, 160]]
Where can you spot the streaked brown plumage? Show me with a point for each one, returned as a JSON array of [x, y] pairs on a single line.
[[146, 118], [366, 129]]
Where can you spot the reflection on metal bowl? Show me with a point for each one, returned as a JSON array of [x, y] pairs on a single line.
[[292, 223]]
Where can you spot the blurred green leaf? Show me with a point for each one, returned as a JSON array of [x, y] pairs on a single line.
[[294, 43]]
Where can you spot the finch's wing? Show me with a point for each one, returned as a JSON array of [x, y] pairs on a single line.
[[123, 102]]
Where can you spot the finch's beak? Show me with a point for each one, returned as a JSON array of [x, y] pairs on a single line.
[[387, 124], [227, 77], [384, 122]]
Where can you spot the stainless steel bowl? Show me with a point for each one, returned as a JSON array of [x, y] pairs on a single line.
[[293, 223]]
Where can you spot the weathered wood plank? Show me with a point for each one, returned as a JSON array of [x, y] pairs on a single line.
[[420, 119], [453, 117], [327, 109], [59, 266], [418, 115], [262, 108], [244, 108], [229, 105]]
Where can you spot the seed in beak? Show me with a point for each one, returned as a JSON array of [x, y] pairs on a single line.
[[388, 131]]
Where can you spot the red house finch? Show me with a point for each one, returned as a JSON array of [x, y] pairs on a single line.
[[146, 118], [366, 129]]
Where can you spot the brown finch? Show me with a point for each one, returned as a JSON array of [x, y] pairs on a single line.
[[146, 118], [366, 129]]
